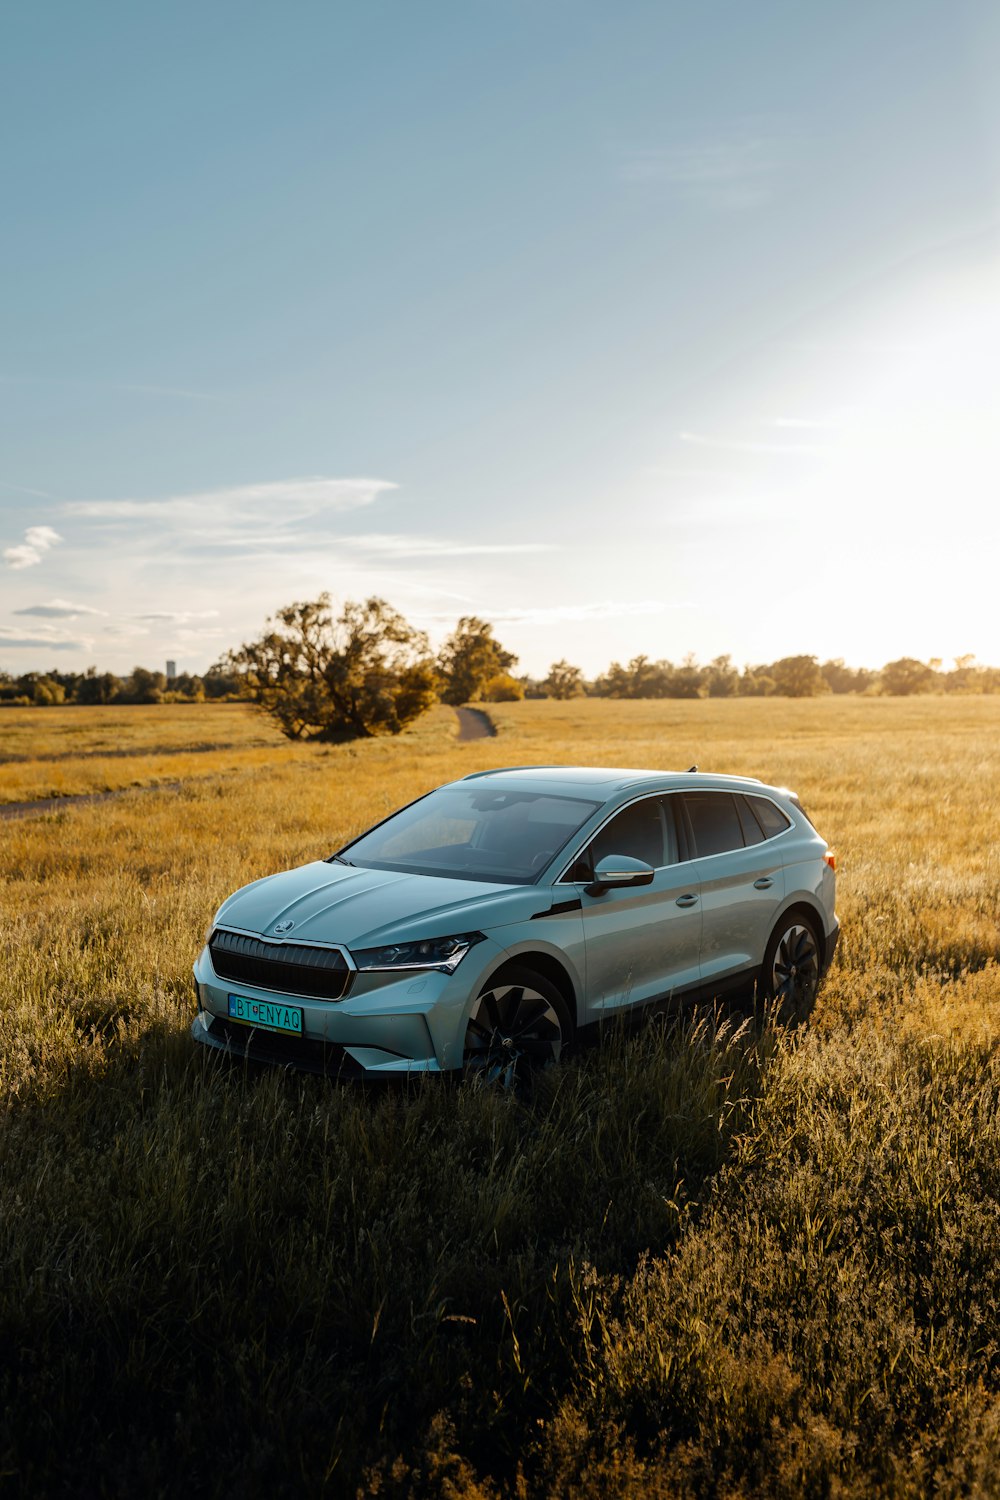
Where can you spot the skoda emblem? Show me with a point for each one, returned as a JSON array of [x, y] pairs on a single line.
[[285, 926]]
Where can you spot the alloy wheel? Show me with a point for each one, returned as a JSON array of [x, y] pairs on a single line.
[[513, 1030], [795, 971]]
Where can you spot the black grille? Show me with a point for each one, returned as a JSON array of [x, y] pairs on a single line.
[[291, 968], [286, 1051]]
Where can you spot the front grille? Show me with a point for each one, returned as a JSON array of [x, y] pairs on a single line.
[[290, 968], [286, 1051]]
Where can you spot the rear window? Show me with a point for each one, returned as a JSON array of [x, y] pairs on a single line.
[[771, 818], [715, 822], [802, 810], [752, 831]]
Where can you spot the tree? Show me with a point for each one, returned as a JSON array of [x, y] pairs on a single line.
[[469, 658], [798, 677], [906, 675], [843, 679], [367, 673], [723, 678], [95, 687], [143, 686], [503, 688], [48, 691], [687, 680], [563, 681]]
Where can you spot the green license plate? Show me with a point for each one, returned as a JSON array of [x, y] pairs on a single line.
[[269, 1015]]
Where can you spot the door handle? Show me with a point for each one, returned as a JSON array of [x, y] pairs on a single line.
[[763, 884], [687, 900]]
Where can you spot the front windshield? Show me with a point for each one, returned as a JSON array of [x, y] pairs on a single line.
[[473, 834]]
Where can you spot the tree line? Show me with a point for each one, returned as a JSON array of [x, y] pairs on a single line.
[[368, 671], [45, 689]]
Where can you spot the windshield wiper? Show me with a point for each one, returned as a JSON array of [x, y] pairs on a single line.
[[340, 860]]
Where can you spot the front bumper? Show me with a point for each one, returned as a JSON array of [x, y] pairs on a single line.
[[412, 1022]]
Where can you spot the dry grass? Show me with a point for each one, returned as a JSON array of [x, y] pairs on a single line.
[[699, 1261]]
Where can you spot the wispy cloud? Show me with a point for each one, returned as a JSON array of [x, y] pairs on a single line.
[[737, 170], [59, 609], [124, 631], [280, 500], [49, 640], [22, 489], [392, 545], [27, 554], [179, 616], [557, 614]]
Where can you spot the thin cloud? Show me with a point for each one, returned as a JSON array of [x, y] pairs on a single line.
[[179, 617], [22, 489], [27, 554], [59, 609], [283, 500], [726, 172], [557, 614], [44, 640], [389, 545]]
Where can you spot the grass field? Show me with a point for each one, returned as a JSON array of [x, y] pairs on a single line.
[[702, 1260]]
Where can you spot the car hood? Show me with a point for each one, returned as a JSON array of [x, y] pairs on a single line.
[[331, 903]]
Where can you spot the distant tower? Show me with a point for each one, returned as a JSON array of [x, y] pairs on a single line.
[[171, 670]]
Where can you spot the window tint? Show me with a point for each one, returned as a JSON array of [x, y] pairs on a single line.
[[714, 821], [637, 831], [770, 818], [474, 833], [752, 831], [802, 810]]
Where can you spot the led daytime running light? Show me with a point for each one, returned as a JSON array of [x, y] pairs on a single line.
[[427, 953]]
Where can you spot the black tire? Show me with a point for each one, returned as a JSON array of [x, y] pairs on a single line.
[[519, 1024], [792, 969]]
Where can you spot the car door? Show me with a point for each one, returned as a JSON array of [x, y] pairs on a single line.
[[641, 943], [741, 880]]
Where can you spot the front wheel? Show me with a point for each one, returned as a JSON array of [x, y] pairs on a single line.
[[791, 972], [518, 1025]]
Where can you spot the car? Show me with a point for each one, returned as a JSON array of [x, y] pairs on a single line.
[[479, 928]]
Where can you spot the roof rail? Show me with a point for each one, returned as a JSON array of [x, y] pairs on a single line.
[[502, 770]]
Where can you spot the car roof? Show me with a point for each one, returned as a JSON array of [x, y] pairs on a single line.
[[605, 782]]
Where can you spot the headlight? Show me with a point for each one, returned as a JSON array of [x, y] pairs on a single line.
[[433, 953]]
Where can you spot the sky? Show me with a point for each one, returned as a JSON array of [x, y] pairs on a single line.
[[631, 327]]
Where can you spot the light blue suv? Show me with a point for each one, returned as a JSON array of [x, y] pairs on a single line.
[[480, 927]]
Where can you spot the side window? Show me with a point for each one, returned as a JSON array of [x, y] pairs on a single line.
[[636, 831], [714, 821], [752, 831], [770, 817]]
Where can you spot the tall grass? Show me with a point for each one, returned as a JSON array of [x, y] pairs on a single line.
[[702, 1259]]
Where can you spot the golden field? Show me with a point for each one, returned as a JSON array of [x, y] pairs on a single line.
[[708, 1258]]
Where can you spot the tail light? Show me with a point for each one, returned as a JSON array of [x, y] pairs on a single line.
[[829, 858]]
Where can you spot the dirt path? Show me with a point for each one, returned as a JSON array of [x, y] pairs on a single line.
[[131, 752], [79, 799], [475, 724]]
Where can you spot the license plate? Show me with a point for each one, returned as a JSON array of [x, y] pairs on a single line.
[[268, 1015]]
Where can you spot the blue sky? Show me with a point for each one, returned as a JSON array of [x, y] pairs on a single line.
[[633, 327]]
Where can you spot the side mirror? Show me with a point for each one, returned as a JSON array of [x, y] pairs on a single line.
[[617, 872]]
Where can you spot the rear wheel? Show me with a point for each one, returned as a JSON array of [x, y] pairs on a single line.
[[792, 969], [518, 1025]]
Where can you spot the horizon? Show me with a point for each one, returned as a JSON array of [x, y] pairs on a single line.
[[627, 331]]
